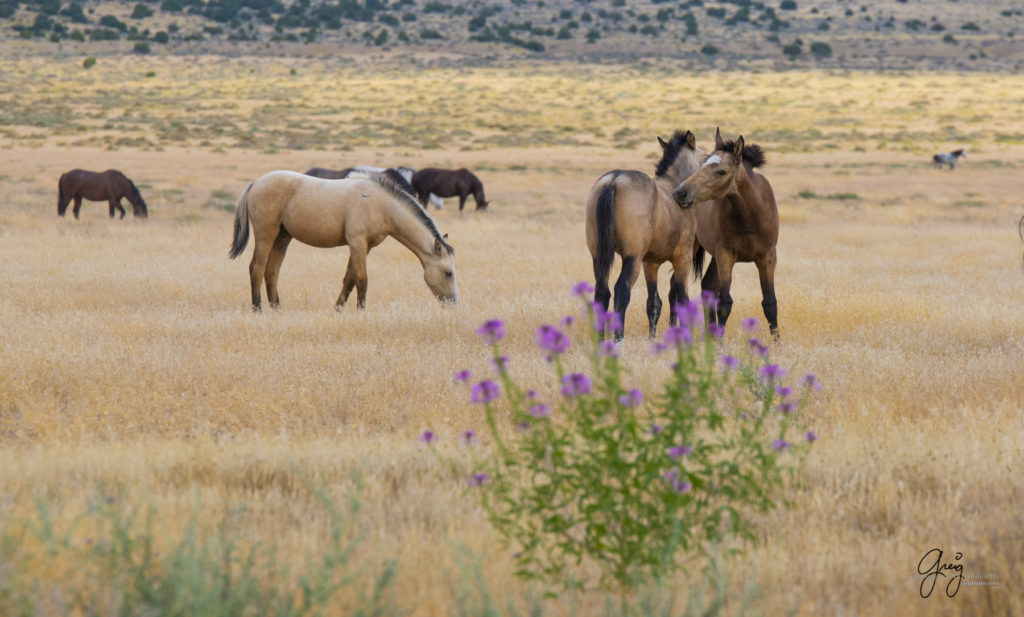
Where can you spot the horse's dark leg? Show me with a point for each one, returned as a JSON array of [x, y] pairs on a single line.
[[710, 283], [724, 265], [766, 273], [462, 200], [116, 203], [274, 261], [355, 276], [623, 286], [677, 286], [78, 205], [653, 299]]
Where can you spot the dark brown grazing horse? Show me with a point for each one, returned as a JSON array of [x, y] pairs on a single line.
[[109, 186], [394, 174], [737, 220], [449, 183], [635, 216]]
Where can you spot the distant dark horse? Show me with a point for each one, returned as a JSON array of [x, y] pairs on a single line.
[[948, 158], [109, 186], [449, 183], [398, 175]]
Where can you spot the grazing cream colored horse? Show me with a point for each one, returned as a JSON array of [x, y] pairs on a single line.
[[359, 211], [631, 214]]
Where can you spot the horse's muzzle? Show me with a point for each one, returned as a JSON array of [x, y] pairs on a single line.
[[447, 301], [684, 197]]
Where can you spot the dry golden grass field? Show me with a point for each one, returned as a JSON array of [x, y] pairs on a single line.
[[133, 366]]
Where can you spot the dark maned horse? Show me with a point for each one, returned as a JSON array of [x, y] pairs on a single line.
[[449, 183], [737, 221], [109, 186], [397, 175], [635, 216], [948, 158]]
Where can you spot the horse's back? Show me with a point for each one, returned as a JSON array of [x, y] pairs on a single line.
[[314, 211], [631, 194]]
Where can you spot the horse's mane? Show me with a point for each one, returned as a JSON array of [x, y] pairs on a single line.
[[959, 152], [671, 153], [752, 154], [406, 200]]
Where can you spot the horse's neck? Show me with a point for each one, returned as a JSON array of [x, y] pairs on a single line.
[[410, 231], [747, 201]]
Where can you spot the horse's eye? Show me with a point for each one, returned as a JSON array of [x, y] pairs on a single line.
[[720, 172], [449, 274]]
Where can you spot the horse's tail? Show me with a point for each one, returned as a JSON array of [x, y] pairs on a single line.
[[604, 216], [698, 263], [241, 237]]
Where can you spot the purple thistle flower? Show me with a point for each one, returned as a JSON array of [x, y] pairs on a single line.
[[709, 299], [780, 445], [716, 331], [551, 340], [485, 392], [681, 487], [787, 406], [479, 479], [783, 391], [679, 451], [608, 349], [751, 324], [576, 384], [531, 394], [771, 372], [428, 437], [605, 319], [690, 314], [567, 321], [522, 427], [540, 410], [729, 362], [758, 348], [461, 376], [811, 437], [655, 429], [582, 288], [492, 331], [499, 363], [658, 348], [678, 336], [632, 398], [810, 380], [468, 437]]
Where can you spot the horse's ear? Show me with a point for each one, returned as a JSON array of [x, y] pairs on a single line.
[[691, 141], [718, 138], [438, 247], [445, 236], [662, 142], [737, 148]]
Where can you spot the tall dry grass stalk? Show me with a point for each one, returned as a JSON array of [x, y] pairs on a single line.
[[131, 359]]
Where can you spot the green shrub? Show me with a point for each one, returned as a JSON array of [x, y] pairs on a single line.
[[596, 470], [89, 62], [129, 562]]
